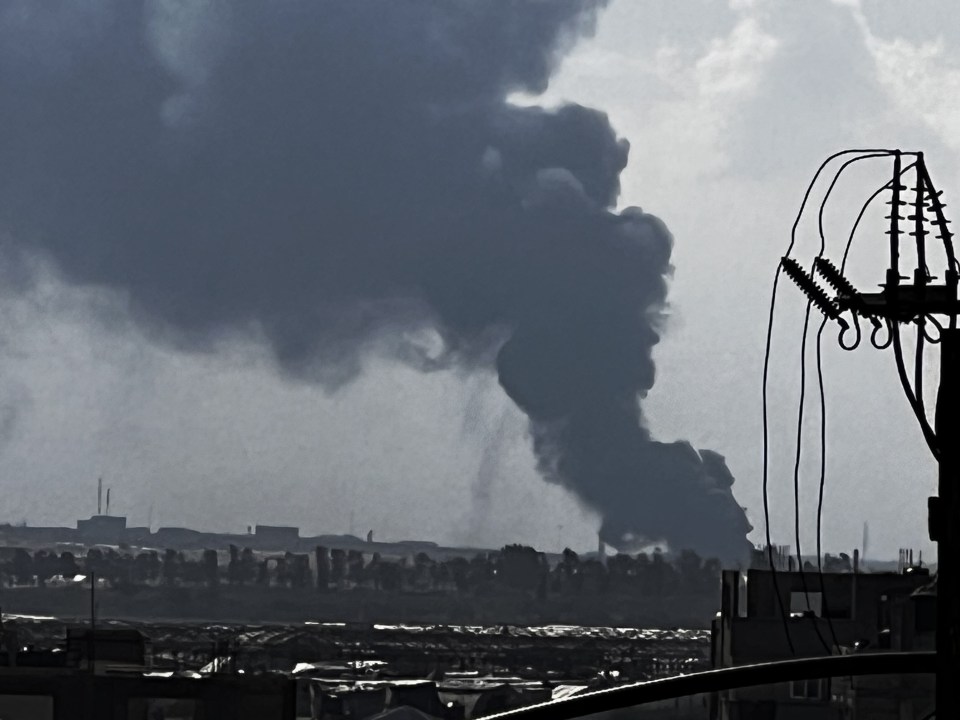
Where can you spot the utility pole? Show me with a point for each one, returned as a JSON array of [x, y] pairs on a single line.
[[919, 303], [945, 526]]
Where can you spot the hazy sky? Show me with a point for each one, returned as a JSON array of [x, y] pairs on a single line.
[[729, 107]]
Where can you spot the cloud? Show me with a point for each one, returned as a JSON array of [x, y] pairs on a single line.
[[921, 77]]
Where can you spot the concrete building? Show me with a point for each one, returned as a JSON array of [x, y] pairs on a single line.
[[106, 529], [106, 650], [277, 537], [909, 624], [62, 685], [830, 614]]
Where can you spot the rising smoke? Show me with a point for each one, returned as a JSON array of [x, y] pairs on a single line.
[[342, 176]]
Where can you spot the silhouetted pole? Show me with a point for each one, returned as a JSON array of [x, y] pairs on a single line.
[[945, 528], [91, 646]]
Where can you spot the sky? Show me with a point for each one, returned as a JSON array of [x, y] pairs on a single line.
[[729, 107]]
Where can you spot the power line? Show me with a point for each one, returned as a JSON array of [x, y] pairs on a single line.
[[916, 303], [766, 375], [823, 405], [802, 403], [918, 365], [796, 475], [928, 433], [822, 484]]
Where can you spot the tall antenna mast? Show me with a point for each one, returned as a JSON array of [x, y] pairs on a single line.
[[99, 495]]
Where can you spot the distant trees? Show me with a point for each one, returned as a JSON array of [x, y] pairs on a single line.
[[522, 568], [67, 566], [211, 576], [233, 566], [338, 566], [513, 569], [323, 568], [146, 568], [21, 567], [170, 569], [298, 571], [355, 569]]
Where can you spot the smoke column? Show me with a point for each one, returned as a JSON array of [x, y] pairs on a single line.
[[338, 178]]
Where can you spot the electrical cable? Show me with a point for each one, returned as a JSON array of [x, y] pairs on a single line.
[[766, 375], [796, 479], [802, 401], [936, 323], [922, 276], [823, 406], [877, 327], [914, 395], [928, 434], [822, 484], [918, 366], [859, 336], [941, 220], [945, 235]]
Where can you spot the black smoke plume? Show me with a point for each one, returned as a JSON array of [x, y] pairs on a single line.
[[344, 176]]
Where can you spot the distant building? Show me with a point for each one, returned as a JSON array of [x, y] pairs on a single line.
[[58, 685], [177, 537], [829, 614], [280, 537], [909, 624], [106, 529], [107, 649]]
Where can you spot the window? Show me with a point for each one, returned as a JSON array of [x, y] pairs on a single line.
[[809, 689], [801, 603]]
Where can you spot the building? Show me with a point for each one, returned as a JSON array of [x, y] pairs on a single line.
[[909, 624], [104, 675], [829, 614], [277, 537], [106, 529], [106, 650]]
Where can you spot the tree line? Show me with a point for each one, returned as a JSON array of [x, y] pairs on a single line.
[[515, 568]]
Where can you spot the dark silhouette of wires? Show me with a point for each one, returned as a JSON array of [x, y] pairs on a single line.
[[884, 310], [822, 484], [933, 340], [800, 414], [918, 364], [916, 404], [822, 394], [766, 375], [924, 191], [796, 482]]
